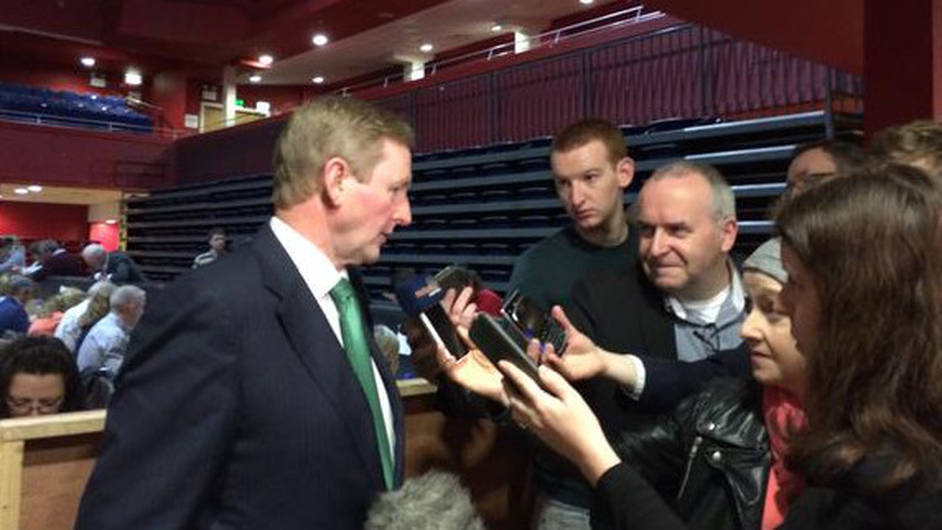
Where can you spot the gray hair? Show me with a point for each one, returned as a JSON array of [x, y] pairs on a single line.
[[103, 287], [723, 200], [93, 250], [127, 296], [431, 501]]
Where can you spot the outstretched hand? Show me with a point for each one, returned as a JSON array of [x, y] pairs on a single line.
[[582, 359], [473, 371], [560, 417]]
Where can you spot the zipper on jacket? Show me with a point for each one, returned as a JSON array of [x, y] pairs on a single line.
[[693, 453]]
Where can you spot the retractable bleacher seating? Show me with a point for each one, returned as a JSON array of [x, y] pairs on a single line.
[[482, 207]]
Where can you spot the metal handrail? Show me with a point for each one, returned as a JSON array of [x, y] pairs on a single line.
[[111, 126], [632, 15]]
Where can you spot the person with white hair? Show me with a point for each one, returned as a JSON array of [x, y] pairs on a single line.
[[115, 266], [106, 343]]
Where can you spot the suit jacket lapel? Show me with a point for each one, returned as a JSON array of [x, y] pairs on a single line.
[[317, 348]]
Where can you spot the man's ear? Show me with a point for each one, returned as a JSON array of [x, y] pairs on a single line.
[[626, 172], [729, 229], [335, 174]]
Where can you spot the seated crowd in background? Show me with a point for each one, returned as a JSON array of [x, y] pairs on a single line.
[[91, 329]]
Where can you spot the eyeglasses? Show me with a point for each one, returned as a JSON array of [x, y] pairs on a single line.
[[25, 406]]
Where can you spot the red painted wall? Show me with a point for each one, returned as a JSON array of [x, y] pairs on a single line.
[[908, 31], [105, 234], [169, 92], [829, 32], [66, 156], [57, 78], [30, 220]]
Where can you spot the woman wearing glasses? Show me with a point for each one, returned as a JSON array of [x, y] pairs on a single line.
[[38, 376]]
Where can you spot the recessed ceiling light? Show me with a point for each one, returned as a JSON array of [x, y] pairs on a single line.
[[87, 61], [132, 77], [255, 78], [427, 47], [586, 2], [110, 222], [496, 28], [320, 40], [318, 80], [21, 191], [35, 188], [265, 59]]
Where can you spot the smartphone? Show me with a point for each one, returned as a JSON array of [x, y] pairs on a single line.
[[419, 298], [453, 277], [533, 321], [499, 343]]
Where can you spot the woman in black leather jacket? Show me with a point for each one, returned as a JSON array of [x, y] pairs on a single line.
[[864, 297]]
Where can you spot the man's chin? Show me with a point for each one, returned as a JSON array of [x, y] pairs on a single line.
[[588, 224], [667, 282]]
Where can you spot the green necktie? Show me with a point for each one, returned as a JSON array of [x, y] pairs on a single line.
[[358, 353]]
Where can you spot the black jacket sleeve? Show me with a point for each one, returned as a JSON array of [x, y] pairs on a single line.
[[669, 381], [624, 500]]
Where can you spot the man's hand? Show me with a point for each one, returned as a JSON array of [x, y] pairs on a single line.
[[459, 307], [582, 360], [473, 372]]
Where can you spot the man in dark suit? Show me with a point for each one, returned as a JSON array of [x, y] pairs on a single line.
[[241, 404], [117, 267]]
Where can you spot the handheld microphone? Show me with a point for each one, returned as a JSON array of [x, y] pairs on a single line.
[[419, 298]]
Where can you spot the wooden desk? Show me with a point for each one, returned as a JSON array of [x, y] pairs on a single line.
[[45, 462]]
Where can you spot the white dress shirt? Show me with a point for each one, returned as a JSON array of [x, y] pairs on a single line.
[[321, 276]]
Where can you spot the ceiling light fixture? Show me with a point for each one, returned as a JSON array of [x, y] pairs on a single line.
[[496, 28], [110, 222], [255, 78], [133, 77], [87, 61], [35, 188], [427, 47], [21, 191], [318, 80], [586, 2], [320, 40], [265, 59]]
